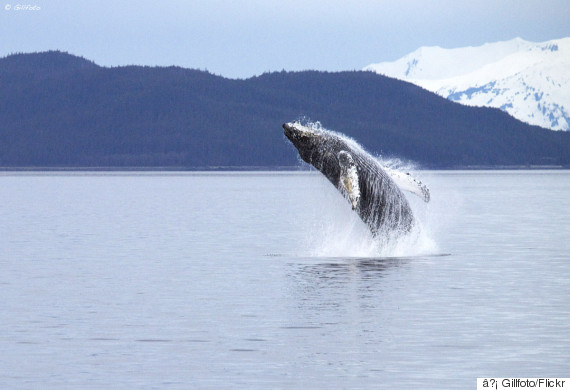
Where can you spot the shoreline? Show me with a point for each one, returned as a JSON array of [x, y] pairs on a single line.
[[266, 168]]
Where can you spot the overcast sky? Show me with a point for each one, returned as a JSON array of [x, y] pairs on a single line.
[[249, 37]]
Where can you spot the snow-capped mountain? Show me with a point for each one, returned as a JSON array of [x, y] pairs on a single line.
[[531, 81]]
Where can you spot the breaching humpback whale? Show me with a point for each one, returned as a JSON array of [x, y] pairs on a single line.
[[372, 192]]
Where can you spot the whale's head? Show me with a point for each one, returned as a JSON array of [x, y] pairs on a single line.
[[305, 139]]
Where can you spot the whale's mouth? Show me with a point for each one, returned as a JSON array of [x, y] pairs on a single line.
[[297, 132], [290, 131]]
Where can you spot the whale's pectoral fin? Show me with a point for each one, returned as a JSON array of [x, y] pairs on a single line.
[[349, 178], [408, 183]]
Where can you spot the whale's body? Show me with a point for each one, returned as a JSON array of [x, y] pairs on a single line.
[[358, 176]]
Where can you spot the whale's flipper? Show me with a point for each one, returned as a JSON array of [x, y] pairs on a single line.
[[407, 182], [349, 177]]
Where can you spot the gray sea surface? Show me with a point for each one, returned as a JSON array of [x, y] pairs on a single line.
[[167, 280]]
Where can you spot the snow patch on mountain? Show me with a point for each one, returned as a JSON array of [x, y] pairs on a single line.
[[530, 81]]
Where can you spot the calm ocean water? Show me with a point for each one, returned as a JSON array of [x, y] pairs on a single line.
[[269, 280]]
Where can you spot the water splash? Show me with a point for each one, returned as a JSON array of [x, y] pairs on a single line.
[[333, 229]]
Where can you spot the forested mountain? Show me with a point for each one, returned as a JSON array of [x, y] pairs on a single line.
[[58, 110]]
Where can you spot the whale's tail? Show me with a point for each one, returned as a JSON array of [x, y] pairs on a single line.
[[408, 183]]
